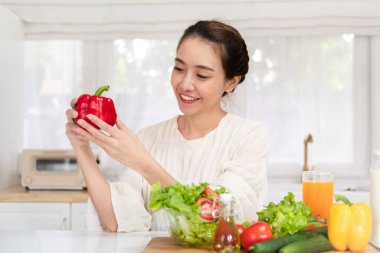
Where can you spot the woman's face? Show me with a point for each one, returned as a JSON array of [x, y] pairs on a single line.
[[198, 78]]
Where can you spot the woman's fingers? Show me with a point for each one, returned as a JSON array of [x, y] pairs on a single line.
[[71, 115], [92, 133], [101, 124], [73, 103], [89, 133], [75, 133]]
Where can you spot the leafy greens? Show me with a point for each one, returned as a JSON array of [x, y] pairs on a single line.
[[287, 217]]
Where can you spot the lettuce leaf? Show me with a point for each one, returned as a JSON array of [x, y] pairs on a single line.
[[287, 217]]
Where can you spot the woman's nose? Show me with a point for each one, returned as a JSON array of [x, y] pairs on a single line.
[[187, 83]]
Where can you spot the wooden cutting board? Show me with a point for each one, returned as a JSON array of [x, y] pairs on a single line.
[[167, 245]]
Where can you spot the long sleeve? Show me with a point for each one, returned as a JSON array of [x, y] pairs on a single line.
[[129, 204], [129, 208]]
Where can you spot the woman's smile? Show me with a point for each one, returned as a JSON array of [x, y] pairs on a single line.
[[188, 99]]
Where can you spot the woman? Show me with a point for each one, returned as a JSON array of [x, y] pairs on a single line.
[[203, 144]]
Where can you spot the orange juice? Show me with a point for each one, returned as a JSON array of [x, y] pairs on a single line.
[[319, 197]]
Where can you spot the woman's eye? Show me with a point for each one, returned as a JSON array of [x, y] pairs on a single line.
[[177, 68], [202, 76]]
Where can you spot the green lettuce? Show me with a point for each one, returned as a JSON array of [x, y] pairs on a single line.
[[187, 227], [287, 217]]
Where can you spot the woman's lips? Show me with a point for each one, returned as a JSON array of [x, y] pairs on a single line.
[[187, 99]]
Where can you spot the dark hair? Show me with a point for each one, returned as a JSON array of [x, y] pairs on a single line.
[[231, 46]]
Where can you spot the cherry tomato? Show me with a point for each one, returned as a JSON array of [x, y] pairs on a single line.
[[206, 204], [257, 232], [209, 192], [203, 200], [206, 212], [240, 228], [206, 208]]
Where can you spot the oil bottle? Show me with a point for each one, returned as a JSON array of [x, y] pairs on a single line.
[[226, 239]]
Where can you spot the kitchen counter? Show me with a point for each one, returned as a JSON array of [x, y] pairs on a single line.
[[74, 241], [87, 242], [21, 194]]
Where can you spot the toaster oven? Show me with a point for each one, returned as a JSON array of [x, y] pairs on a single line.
[[51, 169]]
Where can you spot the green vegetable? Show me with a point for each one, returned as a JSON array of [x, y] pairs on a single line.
[[187, 227], [246, 223], [314, 244], [275, 245], [287, 217]]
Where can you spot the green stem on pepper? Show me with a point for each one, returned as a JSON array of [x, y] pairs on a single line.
[[101, 90], [343, 199]]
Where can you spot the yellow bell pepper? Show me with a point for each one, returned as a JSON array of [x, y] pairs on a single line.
[[349, 225]]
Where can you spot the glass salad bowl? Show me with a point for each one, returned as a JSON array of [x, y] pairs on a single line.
[[190, 230]]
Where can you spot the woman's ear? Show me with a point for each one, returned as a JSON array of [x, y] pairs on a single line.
[[232, 83]]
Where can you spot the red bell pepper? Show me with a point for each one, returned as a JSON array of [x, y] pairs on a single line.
[[102, 107]]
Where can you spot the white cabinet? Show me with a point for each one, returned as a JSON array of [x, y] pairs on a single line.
[[78, 216], [42, 216]]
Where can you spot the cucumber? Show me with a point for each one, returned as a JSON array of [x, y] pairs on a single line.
[[317, 230], [318, 243], [273, 246]]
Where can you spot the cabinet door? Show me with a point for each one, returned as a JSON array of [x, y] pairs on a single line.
[[78, 216], [36, 216]]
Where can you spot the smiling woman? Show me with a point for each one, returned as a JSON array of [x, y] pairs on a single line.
[[203, 144]]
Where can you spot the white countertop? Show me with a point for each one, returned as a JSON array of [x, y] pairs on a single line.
[[74, 241], [49, 241]]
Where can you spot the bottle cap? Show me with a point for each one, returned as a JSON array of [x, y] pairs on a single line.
[[225, 197]]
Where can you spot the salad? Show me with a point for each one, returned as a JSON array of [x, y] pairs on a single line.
[[189, 209]]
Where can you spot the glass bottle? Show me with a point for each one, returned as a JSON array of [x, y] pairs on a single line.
[[226, 239], [375, 198]]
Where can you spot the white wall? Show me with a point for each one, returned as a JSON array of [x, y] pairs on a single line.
[[11, 94], [375, 92]]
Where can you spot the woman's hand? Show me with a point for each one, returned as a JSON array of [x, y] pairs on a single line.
[[119, 143], [73, 131]]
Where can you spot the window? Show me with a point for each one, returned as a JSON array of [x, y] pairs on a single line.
[[53, 74], [142, 79], [298, 86], [295, 86]]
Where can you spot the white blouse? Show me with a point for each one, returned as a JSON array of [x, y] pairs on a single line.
[[232, 155]]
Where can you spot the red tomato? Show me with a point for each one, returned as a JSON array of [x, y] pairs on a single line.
[[203, 200], [206, 204], [206, 212], [257, 232], [240, 228], [209, 192], [206, 208]]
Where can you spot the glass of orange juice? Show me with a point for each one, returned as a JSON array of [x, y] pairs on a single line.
[[317, 192]]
